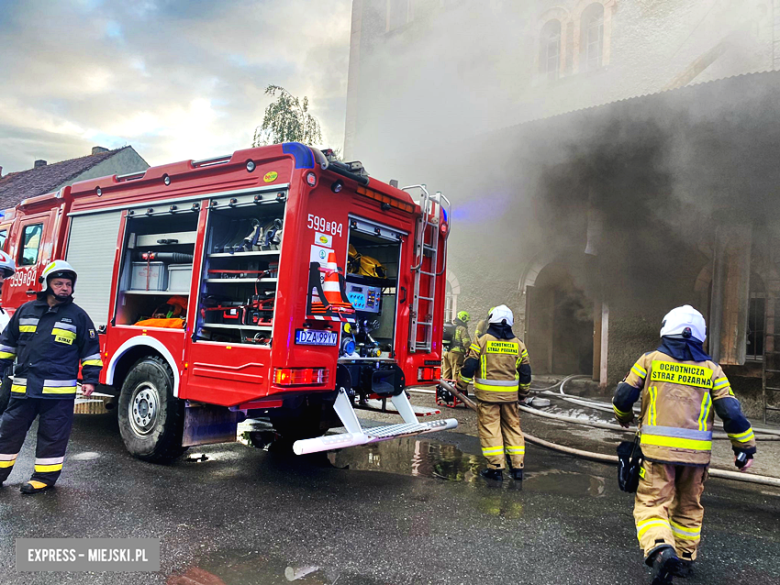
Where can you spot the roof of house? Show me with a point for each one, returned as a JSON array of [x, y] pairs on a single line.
[[15, 187]]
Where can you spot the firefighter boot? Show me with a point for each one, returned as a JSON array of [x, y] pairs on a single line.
[[494, 474], [684, 569], [517, 474], [34, 486], [664, 563]]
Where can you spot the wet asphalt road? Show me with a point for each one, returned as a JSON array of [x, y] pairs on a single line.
[[409, 511]]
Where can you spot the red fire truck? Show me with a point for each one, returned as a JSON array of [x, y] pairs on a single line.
[[276, 284]]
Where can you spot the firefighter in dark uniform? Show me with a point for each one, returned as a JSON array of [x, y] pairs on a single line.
[[503, 377], [47, 338], [461, 340], [681, 390]]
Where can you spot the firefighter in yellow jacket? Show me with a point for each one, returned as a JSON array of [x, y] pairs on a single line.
[[503, 376], [461, 340], [482, 326], [681, 389]]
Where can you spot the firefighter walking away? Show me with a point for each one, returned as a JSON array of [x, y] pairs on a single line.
[[499, 360], [461, 340], [681, 389]]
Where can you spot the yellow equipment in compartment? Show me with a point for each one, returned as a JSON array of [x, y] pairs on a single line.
[[364, 265]]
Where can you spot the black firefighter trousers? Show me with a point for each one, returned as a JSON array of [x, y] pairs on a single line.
[[55, 420]]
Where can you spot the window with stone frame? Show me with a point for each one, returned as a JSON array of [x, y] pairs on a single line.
[[550, 50], [592, 38]]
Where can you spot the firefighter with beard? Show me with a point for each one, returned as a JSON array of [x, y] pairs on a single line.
[[503, 376], [47, 339], [461, 340], [681, 389]]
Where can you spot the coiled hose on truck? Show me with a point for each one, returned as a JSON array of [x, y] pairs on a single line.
[[721, 473]]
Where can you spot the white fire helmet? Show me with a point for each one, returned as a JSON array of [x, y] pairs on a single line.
[[502, 313], [686, 322], [7, 265], [58, 269]]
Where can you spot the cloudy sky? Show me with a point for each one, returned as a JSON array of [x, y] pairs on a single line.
[[176, 79]]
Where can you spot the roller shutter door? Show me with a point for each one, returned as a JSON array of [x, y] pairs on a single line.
[[91, 252]]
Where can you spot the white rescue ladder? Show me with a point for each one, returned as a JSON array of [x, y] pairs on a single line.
[[426, 268]]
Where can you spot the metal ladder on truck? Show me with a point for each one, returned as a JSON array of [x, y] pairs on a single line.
[[426, 267], [770, 391]]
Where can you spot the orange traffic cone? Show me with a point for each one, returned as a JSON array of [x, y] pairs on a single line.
[[328, 296]]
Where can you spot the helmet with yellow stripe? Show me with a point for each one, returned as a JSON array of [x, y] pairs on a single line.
[[58, 269]]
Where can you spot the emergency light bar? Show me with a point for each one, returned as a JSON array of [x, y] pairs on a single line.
[[407, 207]]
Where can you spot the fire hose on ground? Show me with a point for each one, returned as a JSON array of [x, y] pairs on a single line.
[[719, 473]]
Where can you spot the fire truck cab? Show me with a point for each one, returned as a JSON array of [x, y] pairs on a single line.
[[275, 284]]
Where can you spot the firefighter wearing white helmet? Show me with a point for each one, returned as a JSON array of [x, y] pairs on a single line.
[[45, 342], [498, 365], [681, 389]]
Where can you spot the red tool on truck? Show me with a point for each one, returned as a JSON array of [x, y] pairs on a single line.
[[221, 290]]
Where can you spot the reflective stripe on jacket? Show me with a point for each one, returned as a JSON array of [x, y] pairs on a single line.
[[679, 399], [48, 344], [494, 365]]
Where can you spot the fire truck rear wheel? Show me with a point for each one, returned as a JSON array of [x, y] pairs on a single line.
[[151, 418]]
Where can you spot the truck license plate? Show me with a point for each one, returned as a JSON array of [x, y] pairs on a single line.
[[309, 337]]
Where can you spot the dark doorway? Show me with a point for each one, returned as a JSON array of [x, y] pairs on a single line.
[[559, 320]]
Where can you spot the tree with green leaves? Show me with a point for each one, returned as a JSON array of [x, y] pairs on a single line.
[[287, 119]]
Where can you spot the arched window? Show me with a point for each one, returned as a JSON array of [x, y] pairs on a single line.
[[592, 38], [550, 49]]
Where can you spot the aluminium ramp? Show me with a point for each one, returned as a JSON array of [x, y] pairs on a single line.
[[357, 435]]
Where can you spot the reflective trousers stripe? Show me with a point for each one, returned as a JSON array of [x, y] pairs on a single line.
[[493, 450], [7, 461], [643, 527], [685, 533], [48, 468], [48, 460]]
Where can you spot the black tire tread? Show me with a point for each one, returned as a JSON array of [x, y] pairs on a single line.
[[169, 448]]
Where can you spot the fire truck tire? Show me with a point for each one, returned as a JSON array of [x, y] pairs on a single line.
[[151, 418], [5, 393]]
